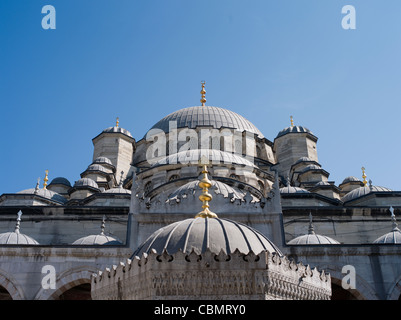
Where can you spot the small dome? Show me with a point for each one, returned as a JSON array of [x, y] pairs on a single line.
[[393, 236], [117, 130], [102, 160], [16, 238], [311, 167], [200, 234], [303, 159], [290, 189], [323, 183], [350, 179], [60, 180], [313, 239], [96, 167], [359, 192], [217, 187], [98, 239], [293, 129], [86, 182], [45, 193]]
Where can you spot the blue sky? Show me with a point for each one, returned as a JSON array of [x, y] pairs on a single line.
[[141, 60]]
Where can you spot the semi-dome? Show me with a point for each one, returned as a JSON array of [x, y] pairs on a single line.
[[217, 187], [359, 192], [45, 193], [96, 167], [293, 129], [207, 116], [311, 167], [60, 180], [193, 156], [201, 234]]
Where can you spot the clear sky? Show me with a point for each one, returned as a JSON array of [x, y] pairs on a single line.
[[141, 60]]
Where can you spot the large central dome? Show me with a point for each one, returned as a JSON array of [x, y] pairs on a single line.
[[207, 116]]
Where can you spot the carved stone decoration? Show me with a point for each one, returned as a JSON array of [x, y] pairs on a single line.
[[265, 276]]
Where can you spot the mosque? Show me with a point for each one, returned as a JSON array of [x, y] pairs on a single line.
[[270, 224]]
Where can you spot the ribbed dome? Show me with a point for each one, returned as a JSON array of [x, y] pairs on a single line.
[[86, 182], [350, 179], [293, 129], [290, 189], [207, 116], [45, 193], [313, 239], [118, 130], [193, 156], [393, 236], [200, 234], [218, 188], [359, 192], [98, 239], [16, 238], [102, 160]]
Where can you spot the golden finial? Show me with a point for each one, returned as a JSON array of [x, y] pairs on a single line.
[[205, 197], [292, 121], [364, 177], [117, 121], [45, 179], [203, 92]]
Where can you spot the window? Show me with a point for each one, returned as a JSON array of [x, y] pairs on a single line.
[[173, 177], [148, 187]]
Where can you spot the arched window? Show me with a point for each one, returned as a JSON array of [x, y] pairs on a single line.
[[148, 187], [234, 176], [173, 177]]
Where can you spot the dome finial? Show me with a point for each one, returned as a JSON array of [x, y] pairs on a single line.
[[395, 224], [121, 179], [205, 197], [203, 93], [45, 179], [364, 177], [37, 186], [19, 214], [103, 225], [311, 229], [117, 121], [292, 121]]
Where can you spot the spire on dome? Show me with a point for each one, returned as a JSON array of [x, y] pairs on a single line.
[[311, 229], [393, 219], [292, 121], [17, 226], [117, 121], [103, 225], [205, 197], [203, 93], [364, 177], [45, 179]]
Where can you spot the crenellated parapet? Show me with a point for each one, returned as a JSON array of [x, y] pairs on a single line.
[[210, 276]]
